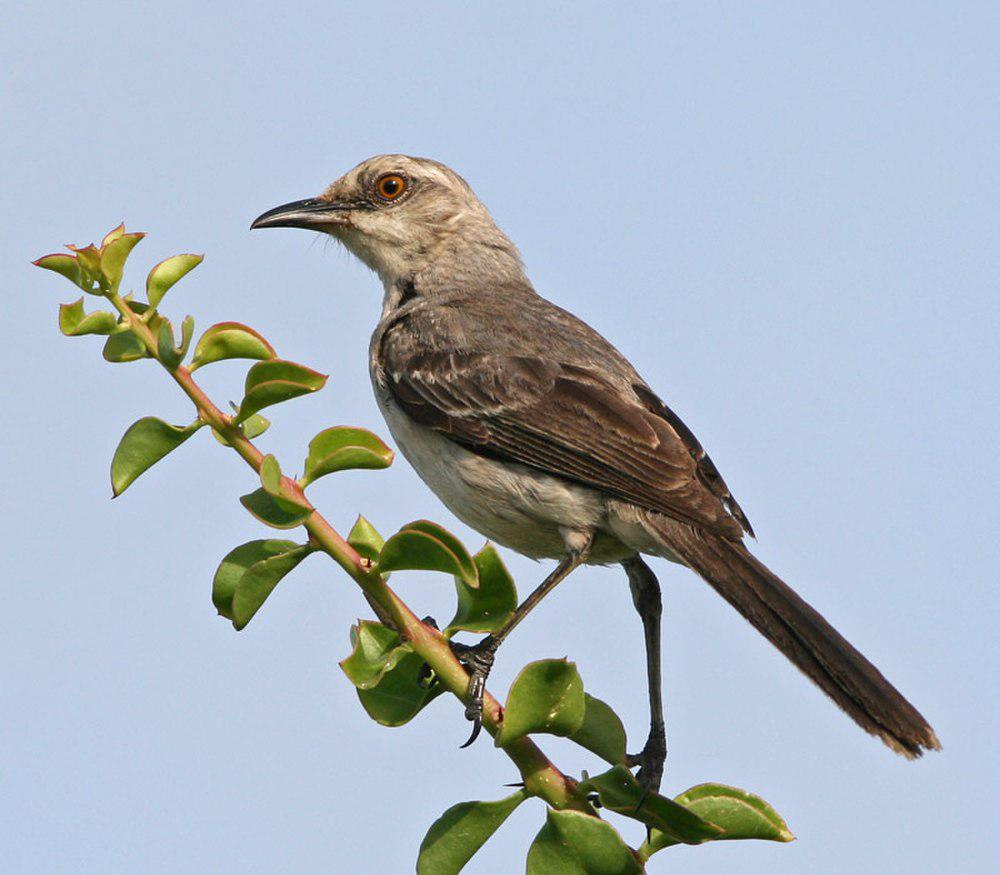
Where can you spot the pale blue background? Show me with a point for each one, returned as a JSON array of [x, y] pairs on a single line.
[[785, 213]]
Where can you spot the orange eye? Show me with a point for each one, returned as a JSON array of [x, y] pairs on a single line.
[[390, 186]]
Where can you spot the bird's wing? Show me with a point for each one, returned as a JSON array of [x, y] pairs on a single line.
[[566, 420]]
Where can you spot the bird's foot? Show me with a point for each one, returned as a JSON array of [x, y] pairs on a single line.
[[650, 762], [478, 659]]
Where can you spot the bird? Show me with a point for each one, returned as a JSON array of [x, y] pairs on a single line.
[[539, 434]]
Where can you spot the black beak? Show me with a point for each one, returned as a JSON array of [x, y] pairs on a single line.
[[312, 213]]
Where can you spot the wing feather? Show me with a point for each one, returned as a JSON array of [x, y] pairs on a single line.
[[567, 421]]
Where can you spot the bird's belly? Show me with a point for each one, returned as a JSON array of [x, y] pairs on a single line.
[[514, 505]]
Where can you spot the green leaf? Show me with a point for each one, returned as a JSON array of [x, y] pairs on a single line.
[[275, 512], [187, 332], [270, 475], [400, 695], [271, 382], [281, 370], [620, 792], [230, 340], [365, 539], [254, 426], [462, 830], [470, 574], [425, 546], [124, 346], [142, 446], [547, 696], [574, 843], [115, 249], [113, 235], [92, 278], [260, 579], [166, 273], [236, 563], [73, 321], [741, 814], [63, 264], [601, 732], [342, 447], [487, 607], [168, 354], [275, 486], [376, 650]]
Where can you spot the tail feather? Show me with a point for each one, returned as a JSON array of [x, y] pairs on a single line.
[[799, 632]]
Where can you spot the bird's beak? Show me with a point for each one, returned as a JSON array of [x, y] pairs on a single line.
[[311, 213]]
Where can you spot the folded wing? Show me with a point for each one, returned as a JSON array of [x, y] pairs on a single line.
[[566, 420]]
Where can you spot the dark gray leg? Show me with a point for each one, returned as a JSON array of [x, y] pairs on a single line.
[[479, 658], [646, 597]]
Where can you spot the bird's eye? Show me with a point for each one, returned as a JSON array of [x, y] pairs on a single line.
[[390, 186]]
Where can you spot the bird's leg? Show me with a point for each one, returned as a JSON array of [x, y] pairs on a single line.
[[478, 658], [646, 597]]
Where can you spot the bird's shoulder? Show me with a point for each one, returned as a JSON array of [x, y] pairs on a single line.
[[503, 320]]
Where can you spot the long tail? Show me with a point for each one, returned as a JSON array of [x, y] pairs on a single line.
[[799, 632]]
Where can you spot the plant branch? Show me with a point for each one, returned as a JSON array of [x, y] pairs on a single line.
[[541, 777]]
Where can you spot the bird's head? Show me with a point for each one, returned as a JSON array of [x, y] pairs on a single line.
[[398, 215]]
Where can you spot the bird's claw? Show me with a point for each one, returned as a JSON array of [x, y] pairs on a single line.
[[426, 676], [478, 659], [650, 762]]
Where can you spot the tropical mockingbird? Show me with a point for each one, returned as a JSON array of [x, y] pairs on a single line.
[[538, 433]]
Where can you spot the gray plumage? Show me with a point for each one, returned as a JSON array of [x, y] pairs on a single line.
[[537, 432]]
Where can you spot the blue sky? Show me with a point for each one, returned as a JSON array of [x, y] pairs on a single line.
[[784, 213]]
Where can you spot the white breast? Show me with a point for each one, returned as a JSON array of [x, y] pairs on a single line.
[[511, 504]]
